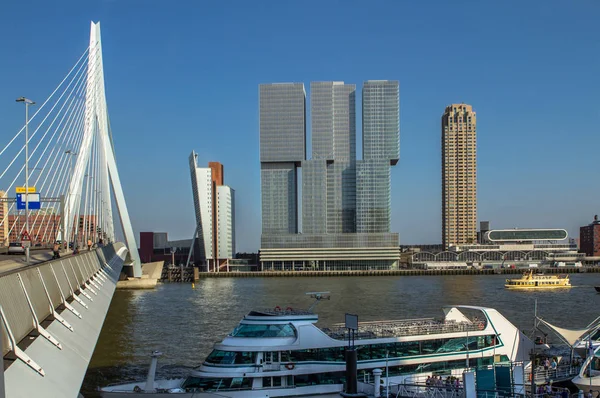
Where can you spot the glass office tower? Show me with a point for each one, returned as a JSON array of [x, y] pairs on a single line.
[[282, 149], [345, 202], [381, 149], [381, 120], [329, 178]]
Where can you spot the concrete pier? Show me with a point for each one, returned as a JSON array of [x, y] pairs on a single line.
[[151, 273], [179, 274]]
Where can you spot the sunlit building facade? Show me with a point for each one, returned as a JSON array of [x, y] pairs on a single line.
[[381, 149], [332, 179], [214, 207], [282, 149], [459, 175]]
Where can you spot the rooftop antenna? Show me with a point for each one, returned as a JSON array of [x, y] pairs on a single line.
[[318, 296]]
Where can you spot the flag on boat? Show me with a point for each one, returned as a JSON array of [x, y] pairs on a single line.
[[590, 347]]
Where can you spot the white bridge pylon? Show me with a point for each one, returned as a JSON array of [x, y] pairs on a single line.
[[96, 143], [64, 156]]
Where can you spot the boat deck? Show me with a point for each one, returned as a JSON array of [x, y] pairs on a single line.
[[407, 327], [277, 311]]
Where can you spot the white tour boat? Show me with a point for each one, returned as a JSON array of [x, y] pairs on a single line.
[[589, 375], [282, 353]]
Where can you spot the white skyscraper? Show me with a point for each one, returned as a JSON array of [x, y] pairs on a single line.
[[225, 222], [214, 205]]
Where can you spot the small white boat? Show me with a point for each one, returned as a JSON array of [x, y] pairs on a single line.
[[282, 353]]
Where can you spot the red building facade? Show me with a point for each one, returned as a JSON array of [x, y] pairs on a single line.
[[589, 238]]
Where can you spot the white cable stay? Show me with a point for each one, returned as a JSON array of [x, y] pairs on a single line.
[[40, 108], [78, 93], [13, 182], [48, 99], [39, 126], [62, 159], [54, 176], [51, 191]]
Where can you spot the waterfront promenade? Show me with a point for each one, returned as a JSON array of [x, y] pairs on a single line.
[[397, 272]]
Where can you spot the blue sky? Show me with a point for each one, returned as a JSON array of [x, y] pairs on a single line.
[[183, 76]]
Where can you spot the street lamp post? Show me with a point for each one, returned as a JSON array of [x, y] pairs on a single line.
[[27, 102], [69, 198]]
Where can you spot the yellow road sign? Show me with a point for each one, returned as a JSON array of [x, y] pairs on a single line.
[[22, 189]]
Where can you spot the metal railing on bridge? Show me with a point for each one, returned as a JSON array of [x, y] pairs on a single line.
[[31, 296]]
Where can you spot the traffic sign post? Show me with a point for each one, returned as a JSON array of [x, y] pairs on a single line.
[[25, 239], [34, 201], [22, 190]]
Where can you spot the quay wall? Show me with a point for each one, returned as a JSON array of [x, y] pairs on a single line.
[[395, 272]]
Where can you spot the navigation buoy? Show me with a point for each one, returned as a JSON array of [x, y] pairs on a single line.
[[193, 285]]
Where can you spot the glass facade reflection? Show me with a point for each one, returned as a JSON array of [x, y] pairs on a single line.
[[279, 198], [345, 202], [381, 120], [314, 196], [282, 148], [282, 122], [373, 196]]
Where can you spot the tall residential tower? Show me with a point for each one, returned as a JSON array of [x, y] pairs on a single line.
[[459, 175], [214, 205]]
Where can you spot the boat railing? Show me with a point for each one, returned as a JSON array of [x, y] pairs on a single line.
[[544, 392], [561, 373], [278, 311], [423, 391], [417, 327]]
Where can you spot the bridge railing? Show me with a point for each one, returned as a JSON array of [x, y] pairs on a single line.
[[37, 293]]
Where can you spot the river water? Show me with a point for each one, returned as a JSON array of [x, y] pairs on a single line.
[[184, 322]]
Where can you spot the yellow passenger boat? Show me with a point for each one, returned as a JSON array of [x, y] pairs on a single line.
[[529, 280]]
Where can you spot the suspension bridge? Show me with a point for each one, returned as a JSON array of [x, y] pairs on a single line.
[[60, 189]]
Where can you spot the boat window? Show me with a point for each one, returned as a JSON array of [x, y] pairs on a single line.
[[436, 368], [319, 378], [231, 357], [272, 381], [216, 384], [245, 330], [333, 354], [393, 350], [458, 344], [596, 362], [407, 348]]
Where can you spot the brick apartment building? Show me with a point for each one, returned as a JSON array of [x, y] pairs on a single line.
[[589, 238]]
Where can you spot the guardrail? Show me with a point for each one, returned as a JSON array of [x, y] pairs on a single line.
[[33, 295], [561, 373]]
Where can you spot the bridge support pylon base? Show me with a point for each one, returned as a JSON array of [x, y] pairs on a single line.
[[151, 273]]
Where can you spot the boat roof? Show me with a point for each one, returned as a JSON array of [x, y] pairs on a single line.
[[572, 336], [470, 307], [281, 312]]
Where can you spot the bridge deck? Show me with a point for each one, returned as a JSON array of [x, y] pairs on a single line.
[[51, 315]]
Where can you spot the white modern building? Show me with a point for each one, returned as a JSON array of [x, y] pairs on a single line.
[[225, 222], [214, 205], [509, 246]]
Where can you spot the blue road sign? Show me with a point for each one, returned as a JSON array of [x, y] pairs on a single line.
[[34, 201]]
